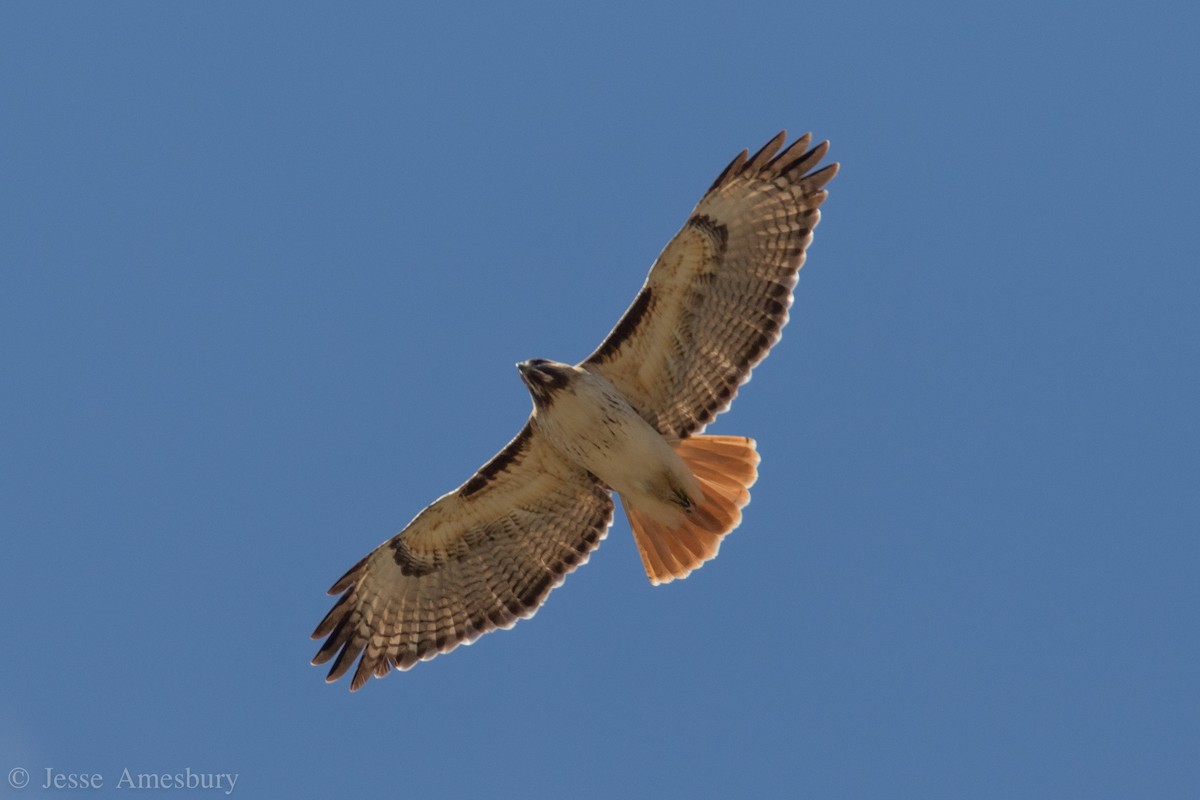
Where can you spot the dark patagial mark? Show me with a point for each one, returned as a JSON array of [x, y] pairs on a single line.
[[625, 327], [501, 461]]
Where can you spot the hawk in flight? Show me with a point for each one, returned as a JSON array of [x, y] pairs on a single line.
[[627, 419]]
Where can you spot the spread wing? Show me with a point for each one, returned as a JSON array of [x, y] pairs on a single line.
[[718, 295], [479, 558]]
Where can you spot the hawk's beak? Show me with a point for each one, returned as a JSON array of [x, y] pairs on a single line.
[[526, 370]]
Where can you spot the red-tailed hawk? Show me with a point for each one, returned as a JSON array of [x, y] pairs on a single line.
[[627, 419]]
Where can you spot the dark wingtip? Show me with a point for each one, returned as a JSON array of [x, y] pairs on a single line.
[[796, 159], [765, 153], [822, 176], [350, 576], [732, 167]]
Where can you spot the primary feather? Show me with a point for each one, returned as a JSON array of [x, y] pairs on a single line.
[[488, 553]]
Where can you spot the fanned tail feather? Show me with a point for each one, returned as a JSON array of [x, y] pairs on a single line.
[[726, 467]]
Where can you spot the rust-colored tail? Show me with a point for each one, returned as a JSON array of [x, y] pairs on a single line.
[[726, 467]]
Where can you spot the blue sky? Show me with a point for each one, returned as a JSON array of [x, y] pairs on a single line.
[[266, 272]]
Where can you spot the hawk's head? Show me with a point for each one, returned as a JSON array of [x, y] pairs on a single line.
[[545, 378]]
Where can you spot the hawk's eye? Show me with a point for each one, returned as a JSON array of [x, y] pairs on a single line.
[[489, 552]]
